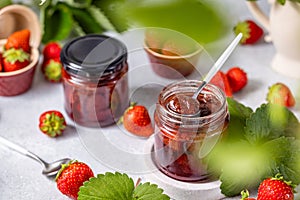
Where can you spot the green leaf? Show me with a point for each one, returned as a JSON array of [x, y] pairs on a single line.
[[57, 22], [117, 186], [282, 2], [5, 3], [100, 17], [74, 3], [238, 115], [108, 186], [197, 19], [238, 110], [149, 191], [114, 11], [271, 121], [86, 21]]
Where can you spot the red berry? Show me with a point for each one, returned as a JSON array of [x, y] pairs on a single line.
[[221, 81], [275, 189], [280, 94], [137, 121], [251, 31], [51, 50], [19, 40], [52, 69], [237, 79], [71, 177], [15, 59], [52, 123]]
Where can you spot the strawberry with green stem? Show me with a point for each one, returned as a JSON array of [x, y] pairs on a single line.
[[52, 123], [250, 30], [15, 59], [52, 70], [71, 177], [275, 188]]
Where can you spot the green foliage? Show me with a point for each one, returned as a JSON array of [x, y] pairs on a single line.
[[195, 18], [5, 3], [117, 186], [264, 144]]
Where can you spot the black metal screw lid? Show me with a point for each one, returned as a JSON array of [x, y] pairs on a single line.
[[92, 55]]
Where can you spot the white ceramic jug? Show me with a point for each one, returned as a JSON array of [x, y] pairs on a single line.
[[283, 24]]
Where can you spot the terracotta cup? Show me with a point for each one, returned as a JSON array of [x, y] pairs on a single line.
[[13, 18]]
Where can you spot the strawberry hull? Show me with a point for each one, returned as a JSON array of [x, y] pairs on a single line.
[[19, 81]]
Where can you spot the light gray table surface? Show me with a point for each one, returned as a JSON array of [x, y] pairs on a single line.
[[21, 178]]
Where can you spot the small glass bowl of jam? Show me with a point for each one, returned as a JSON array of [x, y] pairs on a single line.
[[95, 79], [183, 140]]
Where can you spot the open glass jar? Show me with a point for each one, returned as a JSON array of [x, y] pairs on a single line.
[[95, 80], [182, 142]]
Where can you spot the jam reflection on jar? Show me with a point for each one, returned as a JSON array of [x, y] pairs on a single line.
[[183, 139], [95, 80]]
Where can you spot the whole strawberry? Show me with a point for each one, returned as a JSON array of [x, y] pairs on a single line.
[[137, 121], [250, 30], [51, 50], [19, 40], [275, 189], [15, 59], [52, 69], [52, 123], [237, 78], [71, 177], [220, 79], [280, 94]]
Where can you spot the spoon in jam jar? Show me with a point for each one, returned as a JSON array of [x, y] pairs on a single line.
[[50, 170], [189, 105]]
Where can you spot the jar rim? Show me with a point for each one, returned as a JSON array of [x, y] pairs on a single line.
[[93, 55], [193, 84]]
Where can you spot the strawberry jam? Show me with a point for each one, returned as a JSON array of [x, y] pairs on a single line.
[[186, 131], [95, 80]]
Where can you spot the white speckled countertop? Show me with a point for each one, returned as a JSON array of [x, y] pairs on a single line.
[[21, 177]]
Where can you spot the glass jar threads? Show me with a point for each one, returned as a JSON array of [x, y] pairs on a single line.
[[183, 138], [95, 79]]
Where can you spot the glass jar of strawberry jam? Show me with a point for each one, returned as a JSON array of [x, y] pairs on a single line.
[[188, 129], [95, 79]]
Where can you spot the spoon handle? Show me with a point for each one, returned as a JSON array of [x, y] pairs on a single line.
[[219, 63], [20, 149]]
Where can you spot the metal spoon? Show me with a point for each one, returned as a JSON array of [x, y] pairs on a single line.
[[187, 100], [49, 169], [218, 64]]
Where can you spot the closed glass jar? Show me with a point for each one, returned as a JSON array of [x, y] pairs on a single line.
[[182, 142], [95, 80]]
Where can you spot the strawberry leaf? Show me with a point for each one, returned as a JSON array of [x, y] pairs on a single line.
[[57, 22], [238, 115], [117, 186], [270, 121], [149, 191]]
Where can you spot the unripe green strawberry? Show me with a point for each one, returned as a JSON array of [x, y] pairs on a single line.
[[280, 94], [71, 177]]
